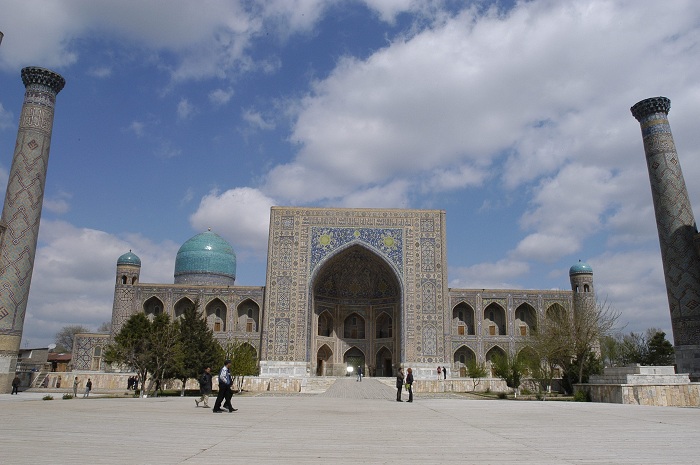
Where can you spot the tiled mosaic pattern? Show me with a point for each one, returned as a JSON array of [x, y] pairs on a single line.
[[302, 243], [675, 224], [24, 196]]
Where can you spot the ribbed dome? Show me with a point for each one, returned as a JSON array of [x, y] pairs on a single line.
[[205, 259], [580, 268], [129, 258]]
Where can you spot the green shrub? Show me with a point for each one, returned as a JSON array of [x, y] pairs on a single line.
[[582, 396], [539, 396], [525, 391], [502, 395], [67, 396], [47, 397]]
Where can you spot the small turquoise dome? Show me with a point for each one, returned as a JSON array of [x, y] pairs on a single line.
[[205, 259], [580, 268], [129, 258]]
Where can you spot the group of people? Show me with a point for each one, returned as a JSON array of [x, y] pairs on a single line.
[[132, 383], [76, 384], [225, 392], [442, 372], [400, 384]]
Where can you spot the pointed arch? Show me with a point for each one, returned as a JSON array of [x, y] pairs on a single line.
[[384, 326], [384, 365], [182, 305], [153, 306], [525, 319], [324, 356], [494, 320], [354, 326], [216, 313], [463, 320], [555, 312], [248, 316], [461, 359], [325, 324]]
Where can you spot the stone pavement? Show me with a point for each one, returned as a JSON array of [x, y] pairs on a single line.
[[351, 422]]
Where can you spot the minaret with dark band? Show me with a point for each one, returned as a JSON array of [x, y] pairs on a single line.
[[677, 231], [19, 225]]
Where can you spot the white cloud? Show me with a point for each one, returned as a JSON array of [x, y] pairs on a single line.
[[58, 204], [220, 96], [184, 109], [100, 71], [137, 127], [256, 120], [74, 276], [488, 275], [240, 215]]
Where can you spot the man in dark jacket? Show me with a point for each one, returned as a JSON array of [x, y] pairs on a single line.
[[15, 385], [204, 388], [399, 385]]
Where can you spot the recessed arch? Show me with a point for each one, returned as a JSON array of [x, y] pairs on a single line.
[[182, 305], [494, 320], [153, 307], [555, 312], [384, 362], [495, 351], [525, 320], [354, 327], [356, 301], [324, 357], [463, 320], [461, 359], [248, 316], [354, 357], [216, 312]]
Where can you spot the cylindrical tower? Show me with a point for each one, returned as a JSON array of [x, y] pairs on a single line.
[[676, 227], [22, 210], [581, 278], [128, 271]]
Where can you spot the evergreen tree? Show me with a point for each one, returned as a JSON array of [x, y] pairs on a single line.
[[131, 346], [660, 350], [199, 348]]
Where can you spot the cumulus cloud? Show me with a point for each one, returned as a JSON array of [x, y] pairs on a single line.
[[240, 215], [256, 120], [500, 275], [74, 276]]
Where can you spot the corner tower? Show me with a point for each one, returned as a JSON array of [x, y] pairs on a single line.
[[676, 227], [581, 278], [128, 271], [22, 210]]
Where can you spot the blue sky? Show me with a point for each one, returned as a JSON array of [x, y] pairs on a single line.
[[514, 118]]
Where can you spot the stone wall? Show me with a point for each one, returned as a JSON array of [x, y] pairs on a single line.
[[666, 395]]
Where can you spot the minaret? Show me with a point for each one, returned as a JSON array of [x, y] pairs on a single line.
[[128, 271], [22, 210], [676, 227]]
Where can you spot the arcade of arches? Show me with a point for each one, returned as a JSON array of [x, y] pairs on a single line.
[[356, 301]]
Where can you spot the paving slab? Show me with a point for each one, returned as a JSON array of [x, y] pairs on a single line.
[[351, 422]]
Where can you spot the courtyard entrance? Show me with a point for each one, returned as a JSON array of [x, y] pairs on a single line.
[[356, 319]]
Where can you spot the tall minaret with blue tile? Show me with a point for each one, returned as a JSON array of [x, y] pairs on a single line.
[[22, 210], [677, 230]]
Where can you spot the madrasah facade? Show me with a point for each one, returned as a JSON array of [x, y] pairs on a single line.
[[344, 288]]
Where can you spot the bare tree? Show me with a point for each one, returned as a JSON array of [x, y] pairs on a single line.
[[66, 336], [476, 371], [562, 339]]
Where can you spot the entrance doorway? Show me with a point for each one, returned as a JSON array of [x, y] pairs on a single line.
[[356, 300]]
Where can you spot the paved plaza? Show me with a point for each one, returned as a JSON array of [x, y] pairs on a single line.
[[351, 422]]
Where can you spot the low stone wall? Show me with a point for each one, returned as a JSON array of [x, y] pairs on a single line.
[[666, 395], [460, 385]]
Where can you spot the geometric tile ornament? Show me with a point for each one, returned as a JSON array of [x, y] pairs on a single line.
[[676, 227], [23, 201]]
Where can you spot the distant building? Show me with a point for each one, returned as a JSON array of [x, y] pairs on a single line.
[[344, 287]]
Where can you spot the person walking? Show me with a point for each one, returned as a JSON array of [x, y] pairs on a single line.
[[88, 388], [204, 388], [444, 372], [225, 392], [75, 387], [409, 384], [15, 385], [359, 373], [399, 385]]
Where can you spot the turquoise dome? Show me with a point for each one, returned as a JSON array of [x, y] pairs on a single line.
[[205, 259], [580, 268], [129, 258]]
